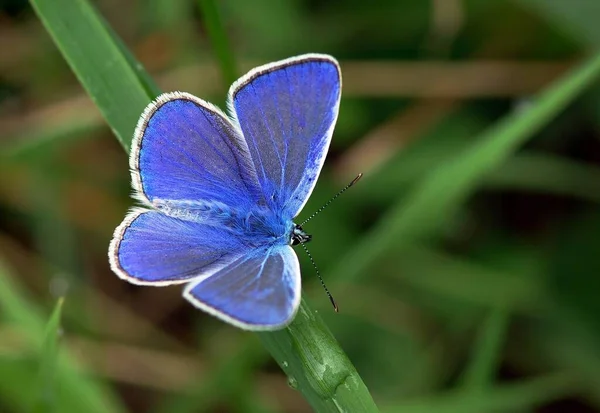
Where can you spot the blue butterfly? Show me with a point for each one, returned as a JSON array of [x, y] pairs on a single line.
[[220, 193]]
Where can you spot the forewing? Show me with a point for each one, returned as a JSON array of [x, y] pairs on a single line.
[[152, 248], [186, 149], [258, 291], [286, 111]]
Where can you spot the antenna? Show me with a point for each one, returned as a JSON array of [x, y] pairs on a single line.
[[335, 307], [314, 214]]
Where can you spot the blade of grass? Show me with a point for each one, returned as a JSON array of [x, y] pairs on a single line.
[[545, 173], [441, 192], [576, 18], [529, 171], [44, 400], [146, 82], [447, 275], [219, 40], [505, 398], [75, 393], [481, 372], [110, 74], [317, 366], [306, 350]]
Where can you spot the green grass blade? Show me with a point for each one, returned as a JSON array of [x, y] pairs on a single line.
[[528, 171], [146, 82], [439, 194], [481, 371], [111, 76], [72, 391], [576, 17], [324, 374], [545, 173], [506, 398], [317, 366], [44, 400], [219, 40]]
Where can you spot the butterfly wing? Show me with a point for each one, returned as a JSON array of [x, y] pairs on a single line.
[[286, 112], [257, 291], [187, 149], [152, 248]]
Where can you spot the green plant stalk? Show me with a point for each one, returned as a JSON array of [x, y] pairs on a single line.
[[306, 350], [439, 194], [44, 400], [317, 366], [480, 373], [96, 56]]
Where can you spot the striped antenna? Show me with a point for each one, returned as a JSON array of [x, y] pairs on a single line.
[[314, 214], [335, 307]]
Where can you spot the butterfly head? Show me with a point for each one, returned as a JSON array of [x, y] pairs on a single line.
[[299, 236]]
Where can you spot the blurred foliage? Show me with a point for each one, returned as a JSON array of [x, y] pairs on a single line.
[[496, 311]]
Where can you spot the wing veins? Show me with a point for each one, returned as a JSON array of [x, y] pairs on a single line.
[[266, 123], [284, 138]]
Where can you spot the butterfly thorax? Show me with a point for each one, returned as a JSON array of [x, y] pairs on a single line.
[[257, 227]]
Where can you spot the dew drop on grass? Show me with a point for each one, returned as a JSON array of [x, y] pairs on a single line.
[[293, 383]]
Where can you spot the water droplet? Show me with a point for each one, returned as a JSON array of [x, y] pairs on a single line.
[[284, 364], [292, 382]]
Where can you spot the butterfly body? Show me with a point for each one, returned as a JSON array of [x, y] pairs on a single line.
[[219, 193], [256, 227]]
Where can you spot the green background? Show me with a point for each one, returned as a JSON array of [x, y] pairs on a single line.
[[465, 263]]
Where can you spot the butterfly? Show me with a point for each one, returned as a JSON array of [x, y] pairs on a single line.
[[219, 193]]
